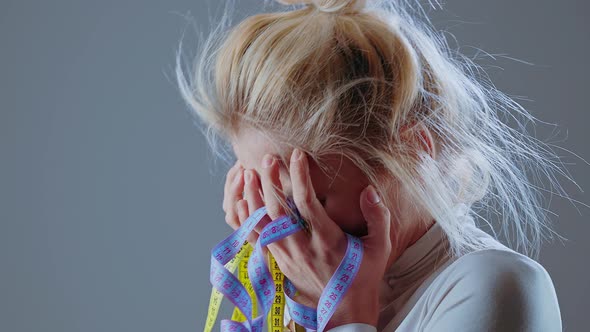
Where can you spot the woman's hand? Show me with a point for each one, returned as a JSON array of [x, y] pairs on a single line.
[[234, 206], [310, 260]]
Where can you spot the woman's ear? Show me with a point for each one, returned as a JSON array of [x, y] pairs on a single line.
[[428, 140], [420, 134]]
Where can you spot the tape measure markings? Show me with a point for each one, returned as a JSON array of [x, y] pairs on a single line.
[[265, 284]]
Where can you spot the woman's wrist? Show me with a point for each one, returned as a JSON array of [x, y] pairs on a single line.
[[351, 317], [359, 311]]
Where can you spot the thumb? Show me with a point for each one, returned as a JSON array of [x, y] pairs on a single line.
[[378, 220]]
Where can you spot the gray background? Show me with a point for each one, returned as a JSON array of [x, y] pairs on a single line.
[[108, 209]]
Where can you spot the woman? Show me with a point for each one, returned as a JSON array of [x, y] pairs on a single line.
[[359, 112]]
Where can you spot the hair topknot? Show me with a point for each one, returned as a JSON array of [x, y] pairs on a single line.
[[330, 6]]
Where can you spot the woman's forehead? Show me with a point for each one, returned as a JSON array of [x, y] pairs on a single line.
[[250, 147]]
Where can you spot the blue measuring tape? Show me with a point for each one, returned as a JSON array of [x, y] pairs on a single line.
[[313, 319]]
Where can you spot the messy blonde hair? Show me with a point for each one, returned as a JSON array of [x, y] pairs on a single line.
[[352, 78]]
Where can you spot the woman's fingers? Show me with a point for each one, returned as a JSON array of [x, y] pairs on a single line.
[[233, 193], [310, 208], [273, 194], [271, 187], [377, 241], [229, 195], [243, 214], [252, 196]]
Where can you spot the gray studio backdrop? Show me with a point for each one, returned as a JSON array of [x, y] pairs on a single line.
[[108, 204]]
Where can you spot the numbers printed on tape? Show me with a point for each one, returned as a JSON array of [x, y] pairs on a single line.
[[275, 316], [216, 296], [237, 314], [270, 287]]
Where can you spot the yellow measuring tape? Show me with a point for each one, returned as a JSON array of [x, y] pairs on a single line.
[[216, 296], [275, 316], [245, 280]]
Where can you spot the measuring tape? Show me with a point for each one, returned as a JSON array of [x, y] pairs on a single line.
[[216, 296], [265, 284], [243, 277], [277, 313]]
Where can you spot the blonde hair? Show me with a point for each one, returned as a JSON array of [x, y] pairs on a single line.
[[345, 77]]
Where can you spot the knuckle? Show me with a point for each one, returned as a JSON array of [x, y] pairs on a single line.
[[272, 212], [388, 247], [307, 198], [338, 244], [303, 202], [231, 220], [387, 212], [229, 176], [240, 208]]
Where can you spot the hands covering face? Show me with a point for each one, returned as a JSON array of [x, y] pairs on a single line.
[[310, 259]]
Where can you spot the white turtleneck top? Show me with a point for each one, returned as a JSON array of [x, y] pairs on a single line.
[[492, 289]]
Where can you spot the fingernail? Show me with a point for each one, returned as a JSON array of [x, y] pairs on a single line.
[[248, 175], [267, 161], [372, 195]]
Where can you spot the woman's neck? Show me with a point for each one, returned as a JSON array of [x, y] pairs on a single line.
[[402, 239]]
